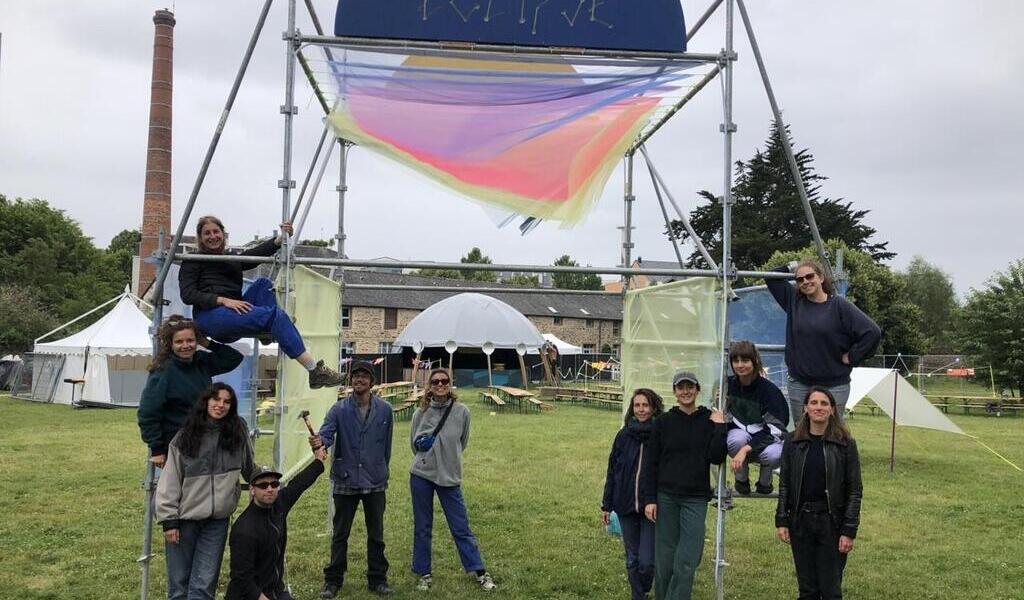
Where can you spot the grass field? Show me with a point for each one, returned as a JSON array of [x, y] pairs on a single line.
[[946, 524]]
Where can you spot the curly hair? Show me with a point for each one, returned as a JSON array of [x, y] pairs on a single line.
[[428, 395], [232, 432], [657, 405], [165, 336]]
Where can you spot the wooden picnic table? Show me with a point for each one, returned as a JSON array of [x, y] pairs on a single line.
[[516, 396]]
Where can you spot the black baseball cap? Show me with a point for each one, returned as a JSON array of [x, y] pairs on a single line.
[[362, 365], [263, 471]]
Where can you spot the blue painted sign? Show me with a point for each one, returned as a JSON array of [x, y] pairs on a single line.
[[645, 25]]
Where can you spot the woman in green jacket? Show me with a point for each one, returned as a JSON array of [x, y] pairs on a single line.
[[178, 374]]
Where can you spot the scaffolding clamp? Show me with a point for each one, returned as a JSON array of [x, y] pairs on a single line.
[[290, 184]]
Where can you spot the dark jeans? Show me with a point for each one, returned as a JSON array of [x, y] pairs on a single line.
[[344, 514], [193, 564], [226, 326], [819, 563], [679, 544], [454, 507], [638, 538]]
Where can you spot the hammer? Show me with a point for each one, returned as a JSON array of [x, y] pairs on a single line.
[[304, 415]]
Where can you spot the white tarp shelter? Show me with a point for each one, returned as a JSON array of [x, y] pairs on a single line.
[[898, 399], [470, 320], [564, 348], [111, 355]]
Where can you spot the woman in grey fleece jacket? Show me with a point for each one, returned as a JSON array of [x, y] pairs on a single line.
[[199, 490], [437, 469]]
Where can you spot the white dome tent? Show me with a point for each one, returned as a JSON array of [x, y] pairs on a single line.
[[471, 321], [110, 356]]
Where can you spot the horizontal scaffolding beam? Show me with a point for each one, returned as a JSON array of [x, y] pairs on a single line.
[[363, 43], [479, 290], [353, 263]]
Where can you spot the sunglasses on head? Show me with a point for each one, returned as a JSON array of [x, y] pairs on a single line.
[[440, 381], [263, 485], [808, 277]]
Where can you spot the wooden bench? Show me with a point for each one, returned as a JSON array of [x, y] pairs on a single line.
[[403, 411], [493, 400], [534, 403]]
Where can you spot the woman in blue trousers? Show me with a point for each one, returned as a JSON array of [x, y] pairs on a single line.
[[214, 289], [439, 434], [622, 489]]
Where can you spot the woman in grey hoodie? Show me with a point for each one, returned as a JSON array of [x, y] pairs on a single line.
[[439, 434], [198, 491]]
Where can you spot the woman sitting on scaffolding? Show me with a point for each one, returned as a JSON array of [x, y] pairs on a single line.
[[223, 312]]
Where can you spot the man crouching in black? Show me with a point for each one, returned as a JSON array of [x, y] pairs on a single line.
[[260, 534]]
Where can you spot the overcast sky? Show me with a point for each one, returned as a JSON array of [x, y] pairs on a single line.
[[912, 109]]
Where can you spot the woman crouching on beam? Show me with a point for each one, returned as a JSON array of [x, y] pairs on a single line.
[[214, 289]]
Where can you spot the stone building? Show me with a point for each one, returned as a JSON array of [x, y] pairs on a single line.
[[373, 318]]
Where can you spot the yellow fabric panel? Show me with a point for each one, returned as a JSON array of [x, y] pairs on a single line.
[[671, 327], [315, 305]]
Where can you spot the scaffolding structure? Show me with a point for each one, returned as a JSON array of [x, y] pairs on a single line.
[[721, 67]]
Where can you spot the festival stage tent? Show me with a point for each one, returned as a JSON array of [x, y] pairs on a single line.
[[897, 398], [470, 320], [111, 355]]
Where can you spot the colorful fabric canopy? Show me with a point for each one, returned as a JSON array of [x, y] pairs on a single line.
[[536, 138]]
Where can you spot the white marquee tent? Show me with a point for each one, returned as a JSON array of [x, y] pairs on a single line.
[[564, 348], [897, 398], [111, 355]]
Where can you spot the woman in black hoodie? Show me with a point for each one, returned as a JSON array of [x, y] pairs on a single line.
[[622, 489], [685, 442]]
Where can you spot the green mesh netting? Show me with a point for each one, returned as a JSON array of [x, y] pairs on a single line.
[[671, 327], [314, 304]]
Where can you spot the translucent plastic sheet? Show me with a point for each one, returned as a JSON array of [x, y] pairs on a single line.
[[536, 138], [671, 327], [315, 306]]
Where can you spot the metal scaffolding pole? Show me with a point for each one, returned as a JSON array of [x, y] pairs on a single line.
[[165, 265], [312, 195], [682, 216], [664, 214], [473, 48], [703, 19], [309, 172], [350, 262], [289, 110], [727, 128], [342, 189], [627, 218], [787, 148]]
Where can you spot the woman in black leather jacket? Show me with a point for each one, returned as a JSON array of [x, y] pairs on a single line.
[[819, 497]]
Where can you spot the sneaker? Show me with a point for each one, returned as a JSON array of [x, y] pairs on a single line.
[[743, 487], [382, 589], [424, 582], [486, 583], [764, 489], [329, 590], [324, 376]]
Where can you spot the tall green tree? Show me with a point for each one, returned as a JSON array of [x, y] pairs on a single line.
[[22, 319], [931, 290], [877, 290], [991, 326], [45, 253], [574, 281], [474, 256], [767, 215], [524, 279]]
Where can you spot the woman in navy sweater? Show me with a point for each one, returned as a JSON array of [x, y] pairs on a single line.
[[622, 489], [826, 336]]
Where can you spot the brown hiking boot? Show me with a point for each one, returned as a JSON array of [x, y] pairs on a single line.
[[324, 376]]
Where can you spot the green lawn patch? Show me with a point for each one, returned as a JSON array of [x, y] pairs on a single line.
[[946, 524]]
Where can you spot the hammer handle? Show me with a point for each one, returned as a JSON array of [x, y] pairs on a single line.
[[305, 420]]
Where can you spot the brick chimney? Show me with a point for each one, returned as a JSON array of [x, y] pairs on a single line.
[[156, 205]]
